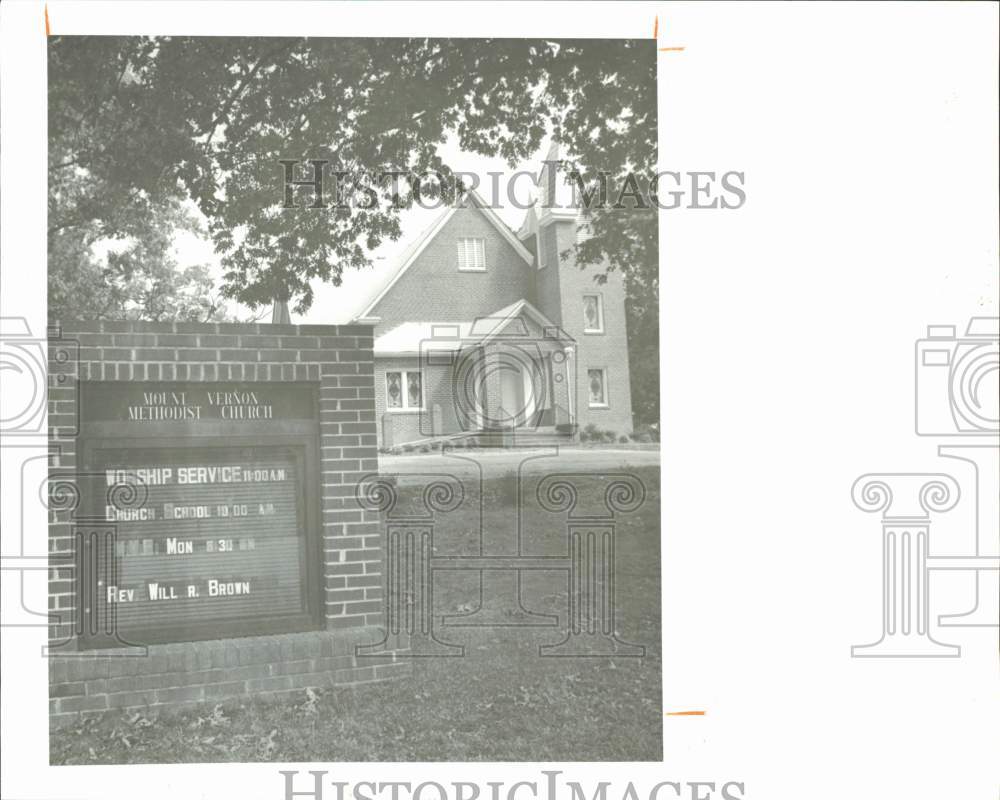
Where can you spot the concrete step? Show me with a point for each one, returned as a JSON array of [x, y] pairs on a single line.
[[524, 437]]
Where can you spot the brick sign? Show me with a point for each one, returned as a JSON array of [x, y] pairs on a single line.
[[202, 505]]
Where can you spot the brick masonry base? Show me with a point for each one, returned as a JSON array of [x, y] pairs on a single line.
[[175, 677]]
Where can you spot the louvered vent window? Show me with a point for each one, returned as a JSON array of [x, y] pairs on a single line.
[[471, 255]]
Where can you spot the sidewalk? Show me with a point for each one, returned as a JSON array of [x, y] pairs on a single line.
[[554, 459]]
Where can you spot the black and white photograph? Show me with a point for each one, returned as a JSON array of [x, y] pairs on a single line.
[[481, 400], [360, 421]]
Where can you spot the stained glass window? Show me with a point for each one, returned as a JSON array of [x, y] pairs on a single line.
[[413, 389], [403, 390], [393, 390], [595, 378], [593, 313]]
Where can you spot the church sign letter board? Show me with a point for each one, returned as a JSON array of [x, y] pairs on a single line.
[[208, 503]]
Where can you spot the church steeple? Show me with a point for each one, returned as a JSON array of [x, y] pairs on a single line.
[[279, 313]]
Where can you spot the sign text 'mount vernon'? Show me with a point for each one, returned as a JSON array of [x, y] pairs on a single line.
[[183, 405]]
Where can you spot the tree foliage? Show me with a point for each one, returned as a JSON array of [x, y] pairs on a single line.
[[114, 204], [138, 125], [135, 278]]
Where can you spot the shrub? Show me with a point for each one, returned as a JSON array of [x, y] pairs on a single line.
[[610, 437], [623, 439], [425, 448], [408, 448], [592, 431], [584, 436], [651, 432]]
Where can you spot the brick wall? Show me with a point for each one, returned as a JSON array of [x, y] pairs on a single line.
[[433, 289], [547, 278], [339, 361], [176, 677], [607, 350]]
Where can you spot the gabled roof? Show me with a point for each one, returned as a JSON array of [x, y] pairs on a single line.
[[409, 337], [410, 254], [497, 321]]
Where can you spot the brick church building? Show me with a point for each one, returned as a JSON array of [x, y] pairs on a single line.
[[484, 332]]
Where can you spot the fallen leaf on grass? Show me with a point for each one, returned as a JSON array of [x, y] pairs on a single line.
[[267, 744]]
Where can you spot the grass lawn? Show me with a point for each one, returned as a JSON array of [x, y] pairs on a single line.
[[501, 702]]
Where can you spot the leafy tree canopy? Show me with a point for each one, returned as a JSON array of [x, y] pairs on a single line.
[[136, 122], [139, 126]]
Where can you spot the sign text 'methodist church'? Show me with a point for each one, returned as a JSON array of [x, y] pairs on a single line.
[[233, 404]]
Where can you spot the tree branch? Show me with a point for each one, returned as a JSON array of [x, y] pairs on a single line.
[[231, 100]]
